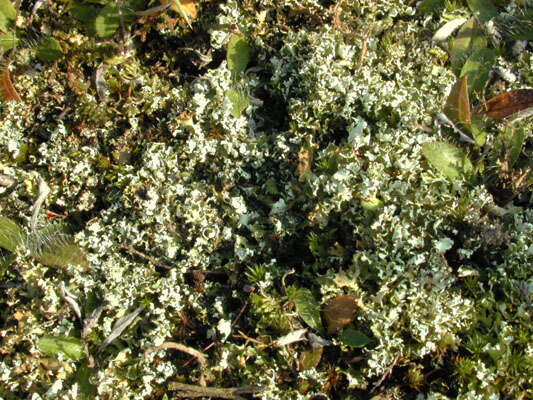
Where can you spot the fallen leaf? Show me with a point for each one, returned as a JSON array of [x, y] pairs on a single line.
[[339, 312], [445, 31], [457, 106], [292, 337], [304, 162], [310, 358], [7, 89], [507, 104], [353, 338]]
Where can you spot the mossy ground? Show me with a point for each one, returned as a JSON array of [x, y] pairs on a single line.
[[208, 217]]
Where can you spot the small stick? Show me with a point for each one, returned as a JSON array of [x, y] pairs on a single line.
[[180, 347], [239, 315], [386, 373], [232, 325], [137, 253], [185, 390]]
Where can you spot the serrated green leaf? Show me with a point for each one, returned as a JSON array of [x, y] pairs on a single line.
[[518, 26], [238, 55], [54, 248], [6, 41], [517, 141], [48, 49], [7, 16], [353, 338], [483, 9], [446, 158], [470, 39], [477, 67], [306, 306], [107, 21], [10, 234], [69, 346], [239, 102], [82, 378]]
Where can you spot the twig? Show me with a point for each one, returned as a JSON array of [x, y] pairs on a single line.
[[386, 373], [242, 335], [185, 390], [180, 347], [137, 253], [242, 309], [204, 350], [152, 10]]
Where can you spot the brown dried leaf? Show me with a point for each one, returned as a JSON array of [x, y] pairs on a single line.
[[339, 312], [508, 103], [457, 106], [310, 358], [304, 162], [7, 89]]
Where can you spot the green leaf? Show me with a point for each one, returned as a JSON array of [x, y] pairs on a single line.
[[517, 141], [238, 55], [447, 158], [82, 378], [5, 262], [6, 41], [107, 21], [85, 13], [477, 68], [470, 39], [306, 306], [518, 26], [483, 9], [371, 204], [54, 248], [69, 346], [8, 14], [238, 101], [48, 49], [431, 6], [10, 234], [478, 130], [353, 338]]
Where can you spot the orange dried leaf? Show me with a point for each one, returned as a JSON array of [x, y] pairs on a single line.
[[457, 106], [188, 6], [339, 312], [508, 103], [7, 89]]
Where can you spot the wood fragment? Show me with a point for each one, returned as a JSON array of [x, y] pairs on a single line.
[[202, 358], [194, 391]]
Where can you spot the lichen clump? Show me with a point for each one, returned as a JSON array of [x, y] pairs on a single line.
[[204, 216]]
